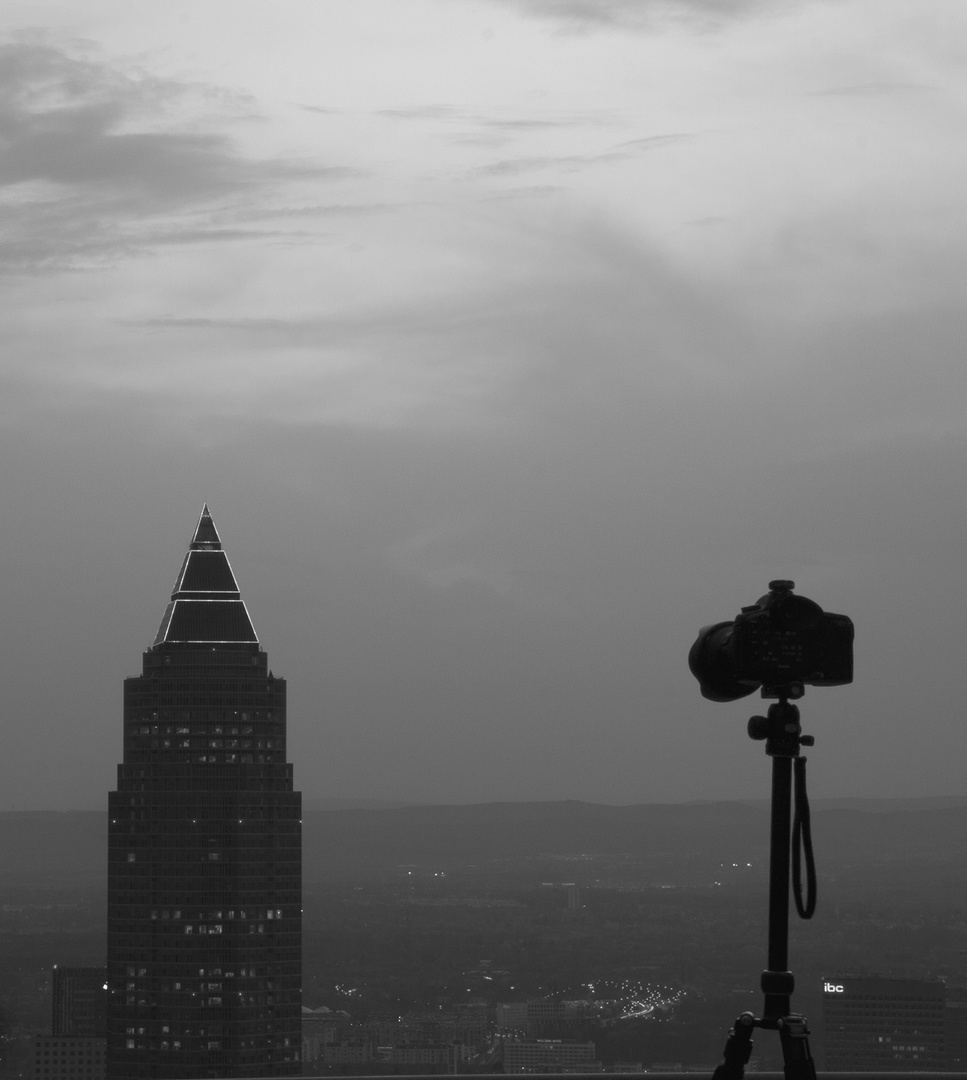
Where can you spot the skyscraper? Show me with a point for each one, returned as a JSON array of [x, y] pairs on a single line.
[[75, 1048], [204, 848], [78, 998]]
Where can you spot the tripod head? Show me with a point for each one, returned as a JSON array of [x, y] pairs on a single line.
[[780, 728]]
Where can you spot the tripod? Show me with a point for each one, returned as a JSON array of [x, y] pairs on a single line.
[[782, 734]]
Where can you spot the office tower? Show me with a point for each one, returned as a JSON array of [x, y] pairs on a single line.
[[75, 1049], [78, 999], [204, 848], [884, 1025], [955, 1029]]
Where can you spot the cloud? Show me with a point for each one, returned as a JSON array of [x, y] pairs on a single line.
[[573, 162], [533, 124], [454, 114], [549, 320], [871, 89], [653, 142], [336, 210], [424, 112], [93, 158], [587, 15], [67, 121], [586, 313]]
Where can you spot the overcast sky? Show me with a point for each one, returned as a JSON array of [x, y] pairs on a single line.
[[510, 341]]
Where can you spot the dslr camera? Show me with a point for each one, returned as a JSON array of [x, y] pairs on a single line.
[[780, 643]]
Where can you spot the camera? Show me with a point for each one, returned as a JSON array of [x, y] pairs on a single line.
[[781, 643]]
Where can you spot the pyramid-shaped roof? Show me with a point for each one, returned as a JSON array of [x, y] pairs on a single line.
[[205, 606]]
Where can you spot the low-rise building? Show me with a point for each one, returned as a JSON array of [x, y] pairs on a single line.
[[549, 1056], [884, 1025], [68, 1057]]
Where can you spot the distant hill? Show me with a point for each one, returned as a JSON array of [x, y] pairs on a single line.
[[370, 842], [889, 806], [665, 840], [314, 803]]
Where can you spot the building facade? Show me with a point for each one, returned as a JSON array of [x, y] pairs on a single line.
[[62, 1057], [78, 999], [548, 1056], [955, 1029], [204, 848], [884, 1025]]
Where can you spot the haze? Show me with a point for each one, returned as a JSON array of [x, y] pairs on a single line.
[[509, 343]]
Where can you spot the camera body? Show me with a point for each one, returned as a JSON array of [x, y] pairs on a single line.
[[781, 643]]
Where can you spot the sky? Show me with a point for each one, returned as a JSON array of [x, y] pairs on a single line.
[[509, 342]]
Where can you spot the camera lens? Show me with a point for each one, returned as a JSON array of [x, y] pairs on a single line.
[[710, 663]]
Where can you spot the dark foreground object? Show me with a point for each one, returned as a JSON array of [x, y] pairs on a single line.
[[891, 1075], [783, 738]]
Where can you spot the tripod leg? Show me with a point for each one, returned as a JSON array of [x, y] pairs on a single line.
[[797, 1060], [738, 1049]]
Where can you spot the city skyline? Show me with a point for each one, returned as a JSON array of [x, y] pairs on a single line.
[[510, 342]]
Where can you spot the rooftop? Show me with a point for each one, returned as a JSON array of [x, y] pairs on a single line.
[[205, 606]]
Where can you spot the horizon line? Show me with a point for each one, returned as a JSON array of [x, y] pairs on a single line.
[[348, 802]]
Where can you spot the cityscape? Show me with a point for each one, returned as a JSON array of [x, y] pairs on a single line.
[[464, 461], [442, 940]]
